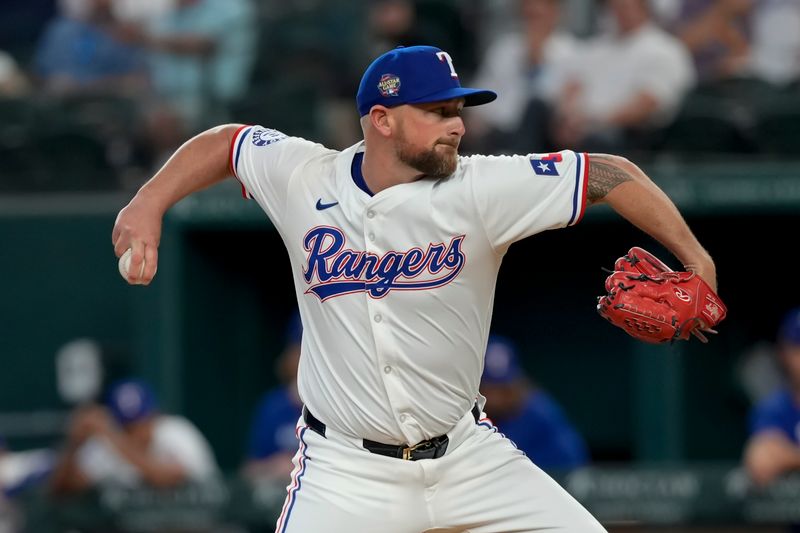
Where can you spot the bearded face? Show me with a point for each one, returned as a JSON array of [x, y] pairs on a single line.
[[438, 161]]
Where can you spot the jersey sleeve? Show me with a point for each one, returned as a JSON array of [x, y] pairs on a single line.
[[265, 161], [518, 196]]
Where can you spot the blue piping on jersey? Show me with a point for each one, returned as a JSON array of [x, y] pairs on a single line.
[[304, 460], [578, 190], [239, 149], [358, 177]]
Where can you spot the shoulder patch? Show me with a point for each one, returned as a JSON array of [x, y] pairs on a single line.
[[545, 166], [265, 136]]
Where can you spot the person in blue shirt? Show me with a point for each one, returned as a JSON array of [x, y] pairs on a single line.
[[79, 53], [774, 444], [527, 415], [272, 442]]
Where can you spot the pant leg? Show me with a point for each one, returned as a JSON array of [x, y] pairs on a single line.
[[488, 486], [339, 487]]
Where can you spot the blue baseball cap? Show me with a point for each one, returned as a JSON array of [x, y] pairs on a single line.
[[501, 365], [789, 331], [130, 400], [414, 75]]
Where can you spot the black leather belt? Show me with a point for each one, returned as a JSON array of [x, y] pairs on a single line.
[[427, 449]]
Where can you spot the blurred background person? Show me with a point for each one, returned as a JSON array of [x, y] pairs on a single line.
[[79, 53], [626, 83], [272, 442], [774, 445], [775, 44], [526, 414], [387, 24], [19, 471], [717, 34], [391, 23], [129, 443], [10, 516], [12, 80], [523, 67], [200, 56]]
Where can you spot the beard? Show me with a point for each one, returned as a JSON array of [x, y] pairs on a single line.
[[433, 164]]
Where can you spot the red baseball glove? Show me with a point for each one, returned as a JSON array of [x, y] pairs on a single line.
[[655, 304]]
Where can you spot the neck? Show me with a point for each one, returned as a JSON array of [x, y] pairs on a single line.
[[382, 170], [633, 28]]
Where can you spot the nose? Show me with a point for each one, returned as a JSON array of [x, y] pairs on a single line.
[[456, 127]]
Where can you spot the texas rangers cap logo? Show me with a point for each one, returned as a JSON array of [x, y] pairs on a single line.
[[389, 85]]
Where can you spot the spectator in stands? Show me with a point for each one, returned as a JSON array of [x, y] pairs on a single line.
[[201, 54], [79, 52], [10, 517], [272, 440], [631, 79], [775, 56], [128, 442], [527, 415], [12, 80], [524, 68], [774, 445], [716, 32], [391, 23], [20, 470]]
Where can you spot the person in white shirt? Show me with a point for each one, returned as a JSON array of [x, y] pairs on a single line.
[[130, 443], [395, 245], [524, 67], [775, 56], [631, 78]]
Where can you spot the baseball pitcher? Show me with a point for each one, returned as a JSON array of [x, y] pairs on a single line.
[[395, 245]]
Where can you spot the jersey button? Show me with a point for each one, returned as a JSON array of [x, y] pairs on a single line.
[[387, 369], [371, 236], [370, 214], [403, 417], [377, 318]]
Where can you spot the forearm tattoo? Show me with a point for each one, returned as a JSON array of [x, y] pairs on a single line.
[[603, 176]]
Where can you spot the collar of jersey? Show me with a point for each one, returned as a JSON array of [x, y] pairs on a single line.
[[355, 171]]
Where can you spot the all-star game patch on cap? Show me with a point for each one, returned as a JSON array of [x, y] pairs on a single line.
[[414, 75]]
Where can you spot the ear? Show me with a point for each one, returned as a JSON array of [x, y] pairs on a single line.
[[381, 120]]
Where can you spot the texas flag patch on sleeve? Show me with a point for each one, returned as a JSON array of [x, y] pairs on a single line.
[[545, 166]]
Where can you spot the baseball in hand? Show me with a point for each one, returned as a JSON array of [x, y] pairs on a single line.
[[125, 264]]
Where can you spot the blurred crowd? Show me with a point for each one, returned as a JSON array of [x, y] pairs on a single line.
[[117, 435], [95, 93]]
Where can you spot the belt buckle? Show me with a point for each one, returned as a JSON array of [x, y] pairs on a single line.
[[407, 450]]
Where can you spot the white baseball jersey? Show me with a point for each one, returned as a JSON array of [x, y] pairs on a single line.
[[396, 290]]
